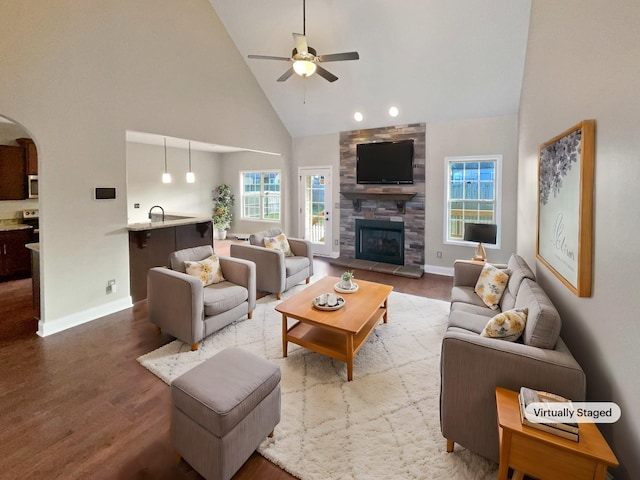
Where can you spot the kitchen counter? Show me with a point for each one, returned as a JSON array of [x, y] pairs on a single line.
[[9, 226], [35, 247], [151, 243], [171, 220]]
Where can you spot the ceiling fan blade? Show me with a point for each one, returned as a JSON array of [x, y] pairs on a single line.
[[286, 75], [269, 57], [327, 75], [301, 43], [337, 57]]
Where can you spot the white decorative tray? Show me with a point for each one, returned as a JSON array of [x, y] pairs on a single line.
[[320, 302], [339, 289]]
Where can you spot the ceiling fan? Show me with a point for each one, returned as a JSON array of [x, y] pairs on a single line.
[[305, 58]]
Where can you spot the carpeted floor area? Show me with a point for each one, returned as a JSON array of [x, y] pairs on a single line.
[[384, 424]]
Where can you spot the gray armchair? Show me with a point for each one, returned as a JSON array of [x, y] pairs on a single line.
[[178, 303], [276, 273]]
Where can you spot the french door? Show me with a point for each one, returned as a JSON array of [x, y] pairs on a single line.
[[315, 208]]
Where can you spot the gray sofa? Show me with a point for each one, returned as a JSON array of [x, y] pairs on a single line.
[[472, 366], [276, 273]]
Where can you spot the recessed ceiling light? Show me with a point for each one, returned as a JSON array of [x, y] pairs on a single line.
[[393, 111], [358, 116]]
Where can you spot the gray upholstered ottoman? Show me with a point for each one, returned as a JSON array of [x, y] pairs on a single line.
[[223, 409]]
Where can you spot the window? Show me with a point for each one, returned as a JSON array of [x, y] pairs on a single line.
[[260, 195], [473, 193]]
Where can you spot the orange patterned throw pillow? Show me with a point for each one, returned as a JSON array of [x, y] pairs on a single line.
[[279, 242], [491, 285], [507, 325], [207, 270]]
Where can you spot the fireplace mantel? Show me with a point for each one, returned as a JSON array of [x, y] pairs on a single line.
[[400, 198]]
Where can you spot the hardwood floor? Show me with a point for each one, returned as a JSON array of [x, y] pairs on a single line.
[[78, 405]]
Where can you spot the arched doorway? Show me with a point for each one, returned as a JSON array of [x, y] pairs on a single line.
[[19, 231]]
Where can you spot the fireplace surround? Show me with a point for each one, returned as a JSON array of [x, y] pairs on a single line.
[[397, 203]]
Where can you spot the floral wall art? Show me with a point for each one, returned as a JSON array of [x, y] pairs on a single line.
[[565, 206]]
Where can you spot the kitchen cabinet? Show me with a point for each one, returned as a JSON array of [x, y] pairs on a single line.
[[15, 259], [13, 175], [31, 155]]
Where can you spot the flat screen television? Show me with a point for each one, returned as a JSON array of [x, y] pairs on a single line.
[[385, 162]]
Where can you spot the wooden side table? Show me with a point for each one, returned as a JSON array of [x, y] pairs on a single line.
[[544, 455]]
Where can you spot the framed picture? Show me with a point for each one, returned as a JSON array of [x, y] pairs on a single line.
[[565, 206]]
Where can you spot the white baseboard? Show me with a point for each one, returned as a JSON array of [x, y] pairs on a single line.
[[437, 270], [54, 326]]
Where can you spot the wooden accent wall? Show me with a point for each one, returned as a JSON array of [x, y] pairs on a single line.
[[379, 209]]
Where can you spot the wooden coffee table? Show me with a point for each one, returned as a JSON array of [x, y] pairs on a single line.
[[340, 333]]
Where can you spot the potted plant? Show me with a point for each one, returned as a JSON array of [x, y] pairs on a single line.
[[222, 210], [347, 282]]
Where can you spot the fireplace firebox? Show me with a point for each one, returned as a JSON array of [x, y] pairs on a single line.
[[380, 241]]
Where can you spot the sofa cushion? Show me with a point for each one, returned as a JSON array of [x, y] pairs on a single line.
[[543, 321], [519, 271], [491, 285], [258, 238], [481, 310], [507, 325], [223, 296], [177, 259], [294, 265], [207, 270], [468, 295], [469, 321]]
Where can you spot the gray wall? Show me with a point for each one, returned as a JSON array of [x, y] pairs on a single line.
[[78, 78], [582, 63], [477, 136]]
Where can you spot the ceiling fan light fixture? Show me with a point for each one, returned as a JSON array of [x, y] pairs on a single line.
[[304, 68]]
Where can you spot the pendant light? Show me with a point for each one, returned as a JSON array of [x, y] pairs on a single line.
[[191, 177], [166, 178]]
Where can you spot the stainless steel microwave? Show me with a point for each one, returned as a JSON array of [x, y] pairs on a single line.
[[32, 183]]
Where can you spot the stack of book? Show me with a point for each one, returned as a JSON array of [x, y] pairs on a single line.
[[528, 396]]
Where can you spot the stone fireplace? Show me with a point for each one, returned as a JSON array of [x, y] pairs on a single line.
[[380, 241], [403, 204]]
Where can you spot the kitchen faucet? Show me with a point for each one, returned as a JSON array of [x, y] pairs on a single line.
[[159, 208]]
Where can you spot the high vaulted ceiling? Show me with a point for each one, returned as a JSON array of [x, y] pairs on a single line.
[[435, 60]]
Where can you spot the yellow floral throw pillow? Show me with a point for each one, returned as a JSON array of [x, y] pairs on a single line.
[[279, 242], [507, 325], [491, 285], [207, 270]]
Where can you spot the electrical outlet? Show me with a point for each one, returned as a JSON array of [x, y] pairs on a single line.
[[136, 205], [439, 254], [335, 242], [111, 286]]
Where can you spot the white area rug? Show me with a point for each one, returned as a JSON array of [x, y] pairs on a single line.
[[382, 425]]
